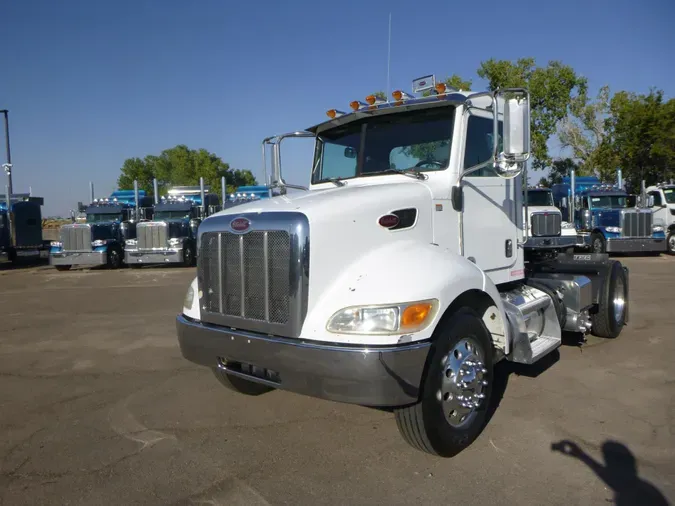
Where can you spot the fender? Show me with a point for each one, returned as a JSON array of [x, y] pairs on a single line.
[[399, 272]]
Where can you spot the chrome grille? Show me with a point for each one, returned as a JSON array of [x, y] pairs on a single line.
[[257, 280], [637, 223], [151, 235], [76, 237], [546, 224]]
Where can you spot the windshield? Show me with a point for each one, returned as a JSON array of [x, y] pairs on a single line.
[[539, 198], [101, 217], [610, 201], [670, 195], [416, 139], [171, 215]]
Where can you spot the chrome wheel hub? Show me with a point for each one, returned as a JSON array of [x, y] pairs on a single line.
[[619, 300], [463, 382], [671, 242]]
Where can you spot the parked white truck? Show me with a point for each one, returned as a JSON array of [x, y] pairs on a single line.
[[399, 278], [663, 206], [546, 227]]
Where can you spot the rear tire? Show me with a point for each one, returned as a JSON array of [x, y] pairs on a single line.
[[610, 318], [439, 423], [240, 385], [63, 267]]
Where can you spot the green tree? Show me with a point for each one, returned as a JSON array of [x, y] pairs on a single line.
[[561, 168], [181, 166], [583, 130], [640, 137], [552, 89]]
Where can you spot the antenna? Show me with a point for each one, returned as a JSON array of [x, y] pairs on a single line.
[[388, 56]]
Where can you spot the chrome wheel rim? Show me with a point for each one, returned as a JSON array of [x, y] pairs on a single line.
[[188, 256], [619, 301], [463, 382], [597, 245], [671, 243]]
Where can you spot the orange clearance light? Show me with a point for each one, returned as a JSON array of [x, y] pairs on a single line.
[[415, 314], [371, 99], [440, 88], [355, 105], [334, 113], [398, 95]]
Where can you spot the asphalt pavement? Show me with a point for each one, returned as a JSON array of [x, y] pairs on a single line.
[[97, 406]]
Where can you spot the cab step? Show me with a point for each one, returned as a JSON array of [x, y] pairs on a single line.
[[533, 322]]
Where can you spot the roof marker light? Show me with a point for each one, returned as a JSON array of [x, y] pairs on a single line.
[[334, 113], [399, 95], [357, 104]]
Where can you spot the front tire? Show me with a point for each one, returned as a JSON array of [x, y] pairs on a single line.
[[114, 257], [670, 242], [188, 255], [598, 243], [240, 385], [610, 317], [456, 390], [63, 267]]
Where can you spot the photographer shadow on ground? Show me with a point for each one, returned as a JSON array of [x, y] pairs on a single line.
[[619, 473]]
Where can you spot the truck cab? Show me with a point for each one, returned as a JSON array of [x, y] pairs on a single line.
[[663, 206], [21, 228], [400, 275], [110, 222], [170, 237], [546, 229], [607, 219]]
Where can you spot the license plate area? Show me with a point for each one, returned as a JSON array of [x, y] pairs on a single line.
[[245, 369]]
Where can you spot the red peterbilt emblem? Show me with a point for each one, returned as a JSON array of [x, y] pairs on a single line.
[[240, 224], [388, 221]]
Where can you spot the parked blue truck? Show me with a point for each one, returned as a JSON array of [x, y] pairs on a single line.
[[607, 218], [110, 222], [171, 235]]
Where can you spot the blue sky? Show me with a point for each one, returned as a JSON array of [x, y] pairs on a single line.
[[91, 83]]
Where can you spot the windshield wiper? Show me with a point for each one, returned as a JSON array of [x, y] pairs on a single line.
[[336, 181], [410, 171]]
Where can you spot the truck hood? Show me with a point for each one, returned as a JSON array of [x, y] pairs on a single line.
[[341, 203], [607, 217], [343, 225]]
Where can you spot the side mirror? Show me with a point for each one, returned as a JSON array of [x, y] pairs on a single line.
[[650, 201], [516, 144], [457, 198], [350, 152]]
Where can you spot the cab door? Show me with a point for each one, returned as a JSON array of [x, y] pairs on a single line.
[[490, 221]]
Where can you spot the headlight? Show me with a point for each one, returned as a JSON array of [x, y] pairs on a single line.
[[189, 298], [131, 242], [98, 242], [657, 228], [567, 224], [383, 320], [55, 244], [174, 242], [613, 230]]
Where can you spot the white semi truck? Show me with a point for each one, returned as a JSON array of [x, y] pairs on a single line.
[[662, 200], [546, 227], [400, 277]]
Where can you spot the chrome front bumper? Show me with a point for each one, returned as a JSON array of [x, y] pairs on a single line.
[[173, 255], [78, 258], [375, 376], [563, 241], [635, 245]]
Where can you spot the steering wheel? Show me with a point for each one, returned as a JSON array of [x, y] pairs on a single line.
[[429, 162]]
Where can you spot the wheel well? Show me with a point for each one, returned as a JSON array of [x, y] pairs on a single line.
[[671, 228], [486, 309], [598, 231]]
